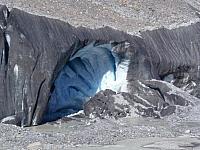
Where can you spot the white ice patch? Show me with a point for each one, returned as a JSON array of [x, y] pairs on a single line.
[[16, 71], [8, 39], [118, 84], [75, 114], [6, 119], [107, 81], [1, 26]]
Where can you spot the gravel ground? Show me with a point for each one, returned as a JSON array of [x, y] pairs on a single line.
[[127, 15], [80, 133], [130, 16]]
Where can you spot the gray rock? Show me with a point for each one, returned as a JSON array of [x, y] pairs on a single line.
[[108, 103], [105, 104]]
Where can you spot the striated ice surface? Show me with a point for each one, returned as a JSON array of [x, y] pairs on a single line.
[[91, 69]]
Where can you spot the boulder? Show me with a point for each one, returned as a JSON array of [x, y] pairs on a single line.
[[160, 99]]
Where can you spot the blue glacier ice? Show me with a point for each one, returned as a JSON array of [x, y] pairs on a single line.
[[80, 79]]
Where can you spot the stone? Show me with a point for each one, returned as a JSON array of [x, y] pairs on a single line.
[[187, 131], [106, 104]]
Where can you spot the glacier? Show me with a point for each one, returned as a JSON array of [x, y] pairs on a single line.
[[91, 69]]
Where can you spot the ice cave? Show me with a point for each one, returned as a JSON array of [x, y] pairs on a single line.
[[93, 68]]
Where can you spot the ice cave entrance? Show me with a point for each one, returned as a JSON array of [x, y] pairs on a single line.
[[93, 68]]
